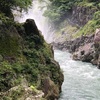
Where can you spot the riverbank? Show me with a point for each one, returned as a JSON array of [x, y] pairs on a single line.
[[75, 29], [84, 48], [81, 79]]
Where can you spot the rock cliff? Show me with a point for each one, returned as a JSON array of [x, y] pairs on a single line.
[[84, 48], [81, 19], [28, 70], [84, 41]]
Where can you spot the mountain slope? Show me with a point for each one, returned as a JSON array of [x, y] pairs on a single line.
[[26, 63]]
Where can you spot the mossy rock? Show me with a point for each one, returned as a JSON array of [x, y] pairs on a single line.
[[90, 27]]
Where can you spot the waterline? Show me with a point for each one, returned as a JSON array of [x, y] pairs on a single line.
[[81, 80]]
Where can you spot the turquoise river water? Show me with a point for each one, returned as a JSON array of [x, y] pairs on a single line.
[[81, 80]]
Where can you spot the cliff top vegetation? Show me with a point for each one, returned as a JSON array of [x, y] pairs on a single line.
[[58, 10], [6, 6]]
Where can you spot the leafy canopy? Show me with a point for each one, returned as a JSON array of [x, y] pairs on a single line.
[[23, 4], [7, 5], [57, 9]]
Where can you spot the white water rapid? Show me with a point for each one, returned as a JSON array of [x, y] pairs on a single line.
[[81, 80], [36, 13]]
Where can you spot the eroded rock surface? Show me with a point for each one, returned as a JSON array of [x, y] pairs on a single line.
[[84, 48]]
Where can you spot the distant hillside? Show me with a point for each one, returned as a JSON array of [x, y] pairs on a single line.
[[78, 29], [74, 17]]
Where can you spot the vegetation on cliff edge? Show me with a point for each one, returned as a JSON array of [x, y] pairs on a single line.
[[60, 11], [24, 54], [91, 26]]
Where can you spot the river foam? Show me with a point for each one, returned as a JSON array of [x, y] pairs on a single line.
[[81, 80]]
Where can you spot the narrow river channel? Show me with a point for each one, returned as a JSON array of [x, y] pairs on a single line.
[[81, 80]]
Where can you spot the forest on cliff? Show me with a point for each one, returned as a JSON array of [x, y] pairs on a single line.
[[82, 15], [27, 66], [77, 24]]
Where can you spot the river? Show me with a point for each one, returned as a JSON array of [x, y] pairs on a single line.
[[81, 80]]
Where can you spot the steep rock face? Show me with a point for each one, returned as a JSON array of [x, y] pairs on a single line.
[[97, 48], [82, 19], [85, 48], [25, 55], [89, 52], [50, 89], [82, 14], [74, 44]]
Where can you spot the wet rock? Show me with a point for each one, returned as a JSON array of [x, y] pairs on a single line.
[[50, 90], [97, 47], [97, 36], [30, 27], [84, 48], [81, 15], [99, 62]]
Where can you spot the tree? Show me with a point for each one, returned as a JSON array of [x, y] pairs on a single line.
[[57, 9], [6, 6]]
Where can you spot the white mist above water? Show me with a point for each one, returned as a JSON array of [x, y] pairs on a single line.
[[36, 13]]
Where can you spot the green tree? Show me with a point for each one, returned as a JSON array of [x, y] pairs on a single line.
[[7, 5], [57, 9]]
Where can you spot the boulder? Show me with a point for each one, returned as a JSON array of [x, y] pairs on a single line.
[[84, 48], [30, 27], [97, 36], [50, 89], [25, 54], [97, 47], [82, 14]]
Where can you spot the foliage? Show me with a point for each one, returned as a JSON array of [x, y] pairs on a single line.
[[91, 26], [6, 74], [57, 10], [23, 4], [7, 5], [97, 15], [29, 58], [34, 89], [6, 44], [6, 20]]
